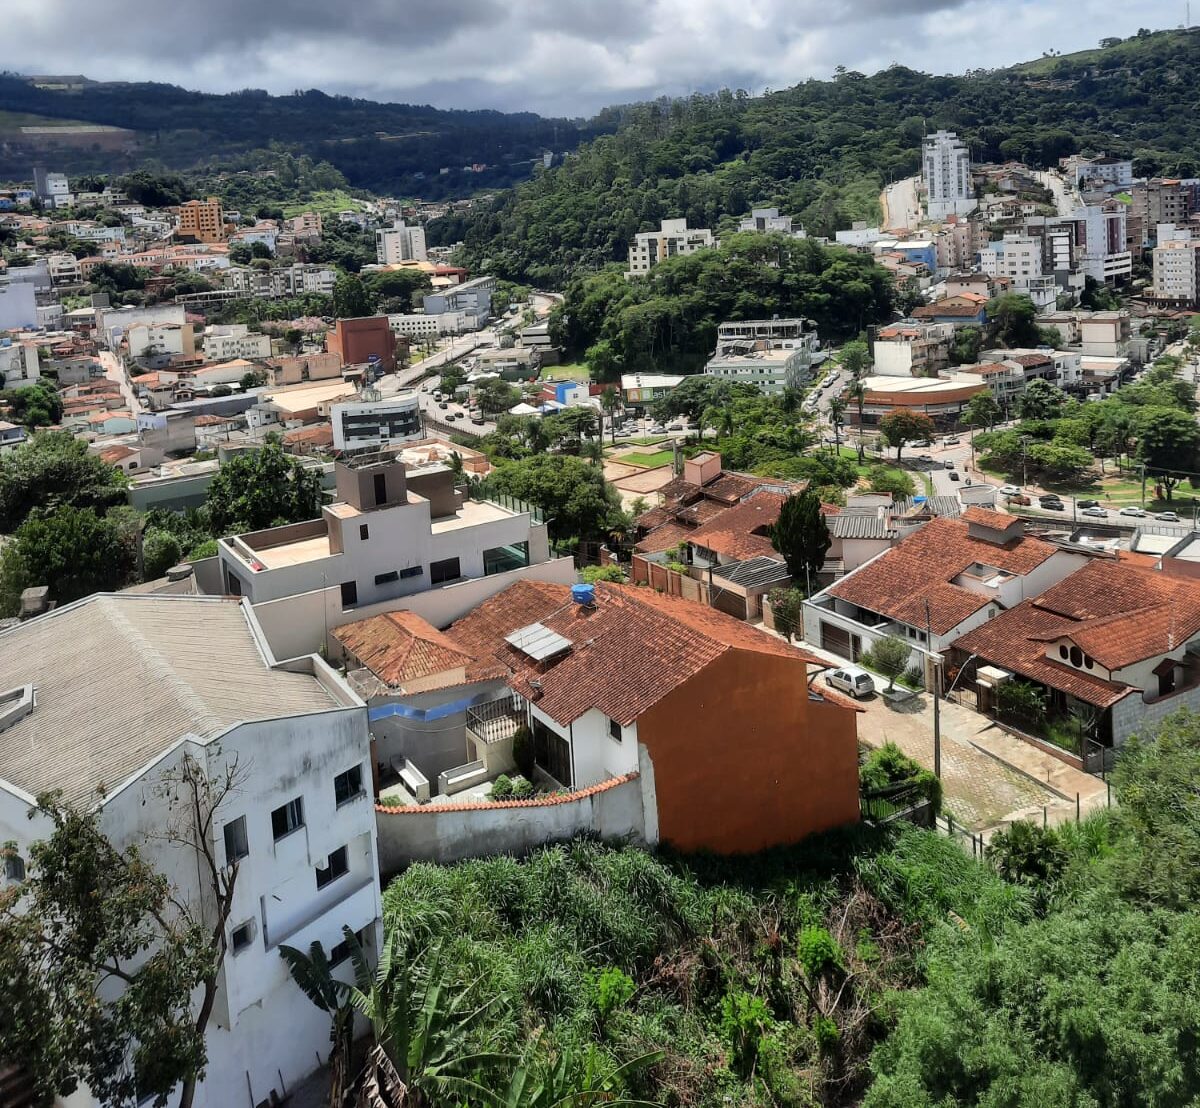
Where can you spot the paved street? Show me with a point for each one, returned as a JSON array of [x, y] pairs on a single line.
[[899, 204], [115, 372]]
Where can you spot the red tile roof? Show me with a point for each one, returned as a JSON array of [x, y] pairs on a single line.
[[401, 646], [740, 532], [664, 538], [1116, 612], [985, 517], [922, 568], [117, 453], [628, 651], [1031, 360]]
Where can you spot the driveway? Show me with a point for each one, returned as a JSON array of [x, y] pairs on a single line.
[[115, 372]]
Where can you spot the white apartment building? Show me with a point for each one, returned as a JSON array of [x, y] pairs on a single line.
[[64, 268], [1103, 233], [18, 304], [106, 698], [946, 170], [768, 220], [1114, 172], [19, 363], [391, 531], [373, 424], [281, 281], [1177, 271], [152, 340], [770, 354], [400, 243], [223, 343], [52, 189], [670, 240], [1019, 258], [113, 323], [420, 325]]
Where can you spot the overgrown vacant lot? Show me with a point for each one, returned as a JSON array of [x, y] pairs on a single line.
[[888, 969]]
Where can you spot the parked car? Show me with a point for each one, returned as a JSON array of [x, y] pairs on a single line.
[[658, 429], [1088, 503], [1009, 490], [924, 457], [443, 405], [955, 476], [951, 441], [1167, 517], [922, 442], [1020, 499], [451, 416], [852, 680], [1132, 511], [674, 426], [1096, 511], [949, 464]]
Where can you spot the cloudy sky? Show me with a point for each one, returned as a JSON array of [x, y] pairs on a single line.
[[557, 57]]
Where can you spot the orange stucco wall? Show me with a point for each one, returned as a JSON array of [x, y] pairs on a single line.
[[743, 760]]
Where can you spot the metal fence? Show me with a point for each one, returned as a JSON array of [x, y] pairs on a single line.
[[512, 503], [906, 801]]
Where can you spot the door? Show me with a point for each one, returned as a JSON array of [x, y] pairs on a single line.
[[837, 640]]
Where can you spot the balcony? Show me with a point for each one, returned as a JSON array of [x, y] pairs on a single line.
[[495, 721]]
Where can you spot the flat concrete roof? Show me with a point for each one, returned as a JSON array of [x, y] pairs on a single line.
[[471, 514], [295, 553]]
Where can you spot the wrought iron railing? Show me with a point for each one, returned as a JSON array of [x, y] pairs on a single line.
[[495, 719]]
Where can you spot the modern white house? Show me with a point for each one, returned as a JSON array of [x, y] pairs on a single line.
[[771, 354], [673, 238], [372, 424], [106, 698], [768, 221], [392, 531], [946, 169]]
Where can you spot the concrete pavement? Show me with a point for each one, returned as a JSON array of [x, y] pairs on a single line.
[[115, 372]]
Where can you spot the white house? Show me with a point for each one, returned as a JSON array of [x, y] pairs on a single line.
[[105, 698], [223, 343], [391, 532]]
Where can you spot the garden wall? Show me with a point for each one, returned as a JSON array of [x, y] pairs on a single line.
[[452, 832]]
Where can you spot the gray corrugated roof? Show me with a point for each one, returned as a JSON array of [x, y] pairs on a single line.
[[948, 506], [860, 525], [121, 678], [763, 570]]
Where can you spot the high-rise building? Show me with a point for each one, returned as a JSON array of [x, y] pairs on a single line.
[[672, 238], [400, 243], [946, 167], [1177, 272], [201, 221]]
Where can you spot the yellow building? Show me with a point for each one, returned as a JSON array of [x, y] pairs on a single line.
[[201, 221]]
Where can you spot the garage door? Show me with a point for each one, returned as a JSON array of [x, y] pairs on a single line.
[[837, 640]]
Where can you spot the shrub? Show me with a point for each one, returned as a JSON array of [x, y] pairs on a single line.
[[590, 575], [522, 788], [889, 765], [160, 551], [890, 657], [745, 1018], [522, 750], [678, 567], [1027, 854], [502, 788], [818, 951], [610, 989]]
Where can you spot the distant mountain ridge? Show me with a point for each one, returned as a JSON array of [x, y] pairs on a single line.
[[391, 148]]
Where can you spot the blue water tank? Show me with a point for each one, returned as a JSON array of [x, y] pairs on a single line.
[[583, 594], [919, 500]]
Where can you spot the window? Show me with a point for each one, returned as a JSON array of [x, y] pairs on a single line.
[[287, 819], [340, 952], [553, 753], [348, 785], [349, 594], [364, 532], [380, 488], [1076, 656], [387, 578], [337, 864], [242, 936], [501, 559], [445, 570], [614, 729], [234, 588], [1166, 682], [237, 845], [14, 867], [1063, 653], [411, 571]]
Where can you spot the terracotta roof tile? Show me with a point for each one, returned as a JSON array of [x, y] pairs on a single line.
[[663, 538], [985, 517], [923, 567], [628, 651], [401, 646], [740, 532]]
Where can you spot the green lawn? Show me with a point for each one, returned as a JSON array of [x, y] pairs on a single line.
[[328, 202], [652, 440], [571, 371], [650, 461]]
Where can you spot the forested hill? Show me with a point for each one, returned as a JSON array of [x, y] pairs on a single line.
[[822, 149], [395, 149]]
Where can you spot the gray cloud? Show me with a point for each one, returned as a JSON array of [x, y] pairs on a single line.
[[558, 57]]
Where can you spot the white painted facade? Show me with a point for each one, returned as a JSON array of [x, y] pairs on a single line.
[[673, 238], [946, 170], [235, 340], [400, 243]]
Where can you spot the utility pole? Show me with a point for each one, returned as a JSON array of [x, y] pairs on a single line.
[[937, 695]]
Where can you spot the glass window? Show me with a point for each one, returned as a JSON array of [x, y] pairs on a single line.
[[337, 864], [364, 532], [445, 570], [501, 559], [614, 729], [349, 594], [348, 785], [288, 818], [341, 951], [14, 867], [242, 936], [411, 571], [553, 753], [387, 578], [237, 845]]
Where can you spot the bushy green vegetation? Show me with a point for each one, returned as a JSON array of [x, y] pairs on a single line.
[[822, 150], [667, 320]]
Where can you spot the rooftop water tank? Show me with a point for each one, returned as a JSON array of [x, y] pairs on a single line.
[[583, 594]]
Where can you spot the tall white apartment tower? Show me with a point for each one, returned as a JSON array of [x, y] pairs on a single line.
[[400, 243], [946, 167]]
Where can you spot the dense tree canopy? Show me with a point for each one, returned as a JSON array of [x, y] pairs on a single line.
[[55, 468], [262, 488], [577, 501]]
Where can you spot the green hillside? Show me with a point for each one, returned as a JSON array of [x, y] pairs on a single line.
[[822, 149]]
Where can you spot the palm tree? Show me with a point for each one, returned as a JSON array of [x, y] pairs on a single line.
[[313, 973], [858, 393], [592, 450], [610, 401], [536, 438], [837, 409]]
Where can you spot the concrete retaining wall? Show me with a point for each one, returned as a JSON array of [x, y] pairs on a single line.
[[451, 832]]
